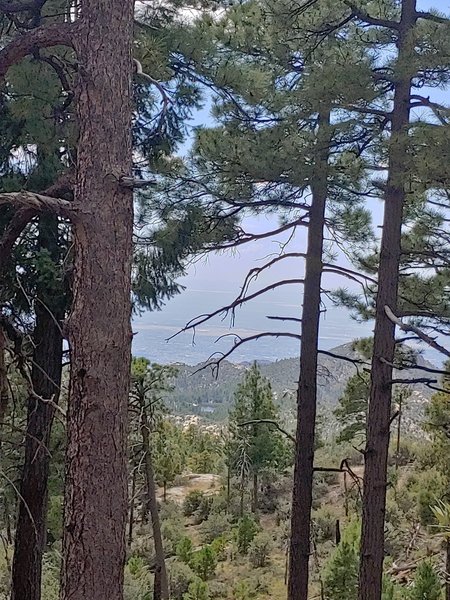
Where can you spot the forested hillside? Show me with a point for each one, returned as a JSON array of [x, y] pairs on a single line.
[[199, 390]]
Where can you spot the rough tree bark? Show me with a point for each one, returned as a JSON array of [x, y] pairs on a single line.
[[307, 390], [99, 328], [30, 538], [379, 415], [161, 585], [4, 394]]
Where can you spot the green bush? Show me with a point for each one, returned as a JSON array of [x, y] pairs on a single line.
[[204, 563], [246, 531], [192, 502], [138, 581], [426, 584], [185, 550], [214, 527], [219, 547], [180, 578], [198, 590], [324, 523]]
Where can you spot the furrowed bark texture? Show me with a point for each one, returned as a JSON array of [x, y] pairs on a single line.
[[379, 415], [99, 325], [307, 389]]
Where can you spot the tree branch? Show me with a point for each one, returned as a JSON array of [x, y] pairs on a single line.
[[412, 328], [55, 34], [269, 422], [39, 203], [432, 17], [17, 6], [363, 16]]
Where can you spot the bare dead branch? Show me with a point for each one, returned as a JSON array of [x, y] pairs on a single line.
[[215, 364], [432, 17], [269, 422], [239, 301], [408, 327]]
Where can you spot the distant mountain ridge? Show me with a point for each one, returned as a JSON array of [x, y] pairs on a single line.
[[198, 391]]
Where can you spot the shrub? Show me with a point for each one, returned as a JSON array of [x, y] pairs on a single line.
[[204, 563], [192, 502], [214, 526], [198, 590], [180, 578], [324, 520], [246, 531], [260, 549], [185, 549], [219, 546], [138, 580], [172, 533], [426, 584]]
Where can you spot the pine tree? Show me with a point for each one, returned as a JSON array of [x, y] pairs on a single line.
[[250, 426], [426, 583], [341, 580]]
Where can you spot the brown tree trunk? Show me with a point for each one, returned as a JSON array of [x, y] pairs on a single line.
[[379, 415], [307, 389], [4, 393], [255, 493], [132, 502], [30, 538], [161, 580], [99, 326]]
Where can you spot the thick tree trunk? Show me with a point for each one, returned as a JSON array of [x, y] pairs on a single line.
[[99, 326], [161, 581], [30, 538], [307, 389], [379, 415]]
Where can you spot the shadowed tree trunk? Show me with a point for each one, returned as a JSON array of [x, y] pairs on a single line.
[[30, 538], [255, 493], [307, 389], [99, 328], [132, 503], [161, 582], [4, 395], [379, 415]]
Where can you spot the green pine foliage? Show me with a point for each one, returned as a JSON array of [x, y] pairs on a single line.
[[426, 583]]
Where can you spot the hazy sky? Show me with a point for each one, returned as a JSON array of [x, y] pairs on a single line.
[[216, 280]]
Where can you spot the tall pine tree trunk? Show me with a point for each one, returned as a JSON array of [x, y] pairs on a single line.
[[161, 581], [30, 538], [4, 394], [379, 415], [99, 326], [307, 389]]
